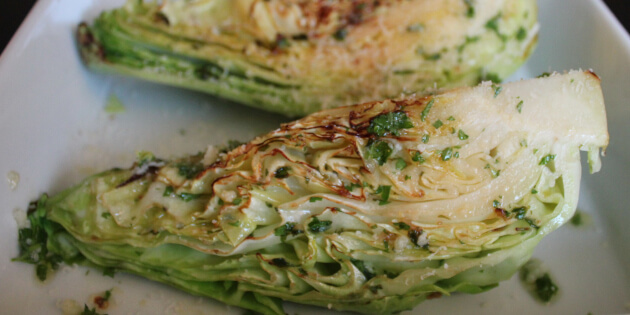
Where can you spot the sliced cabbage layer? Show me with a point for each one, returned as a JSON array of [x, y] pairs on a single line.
[[370, 208], [296, 57]]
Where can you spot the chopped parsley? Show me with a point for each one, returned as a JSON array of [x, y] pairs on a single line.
[[282, 172], [545, 288], [407, 177], [235, 223], [188, 197], [341, 34], [317, 226], [546, 159], [496, 203], [470, 8], [237, 201], [314, 199], [437, 124], [451, 118], [402, 226], [492, 77], [352, 186], [462, 135], [425, 138], [417, 157], [363, 268], [447, 154], [286, 229], [378, 150], [188, 170], [521, 34], [400, 164], [106, 215], [519, 106], [168, 191], [497, 89], [544, 75], [384, 192], [390, 123], [425, 111]]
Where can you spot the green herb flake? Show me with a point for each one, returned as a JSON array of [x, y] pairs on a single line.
[[545, 288], [437, 124], [447, 154], [317, 226], [282, 172], [470, 8], [188, 170], [235, 223], [546, 159], [237, 201], [363, 268], [400, 164], [462, 135], [188, 197], [352, 186], [285, 229], [534, 191], [106, 215], [519, 106], [523, 143], [109, 272], [341, 34], [169, 190], [492, 77], [495, 173], [417, 157], [379, 151], [425, 138], [544, 75], [407, 177], [402, 226], [451, 118], [314, 199], [433, 57], [390, 123], [521, 34], [427, 108], [497, 89], [496, 203], [493, 23], [384, 192], [519, 213], [88, 311]]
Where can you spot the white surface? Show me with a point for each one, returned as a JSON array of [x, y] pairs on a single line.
[[54, 132]]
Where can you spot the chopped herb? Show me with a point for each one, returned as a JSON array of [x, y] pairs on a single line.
[[378, 150], [109, 272], [285, 229], [282, 172], [462, 135], [402, 226], [400, 164], [390, 123], [362, 267], [456, 154], [437, 124], [495, 173], [341, 34], [523, 143], [352, 186], [534, 191], [492, 77], [425, 111], [237, 201], [384, 191], [279, 262], [188, 197], [314, 199], [168, 191], [317, 226], [414, 235], [414, 28], [545, 288], [221, 202], [544, 75], [521, 34], [189, 171], [447, 154], [470, 8], [425, 138], [106, 215], [496, 203], [433, 57], [497, 89], [519, 106], [407, 177], [451, 118], [493, 23], [282, 42], [235, 223], [417, 157], [88, 311], [546, 159], [519, 213]]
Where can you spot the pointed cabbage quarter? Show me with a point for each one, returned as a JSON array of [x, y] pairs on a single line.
[[296, 57], [370, 208]]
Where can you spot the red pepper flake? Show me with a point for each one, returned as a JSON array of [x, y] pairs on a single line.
[[501, 213], [434, 295]]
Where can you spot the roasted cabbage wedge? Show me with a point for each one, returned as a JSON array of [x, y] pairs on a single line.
[[296, 57], [370, 208]]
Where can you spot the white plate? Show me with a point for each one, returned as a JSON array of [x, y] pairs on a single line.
[[54, 132]]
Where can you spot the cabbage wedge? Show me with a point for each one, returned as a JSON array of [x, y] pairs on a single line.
[[296, 57], [370, 208]]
